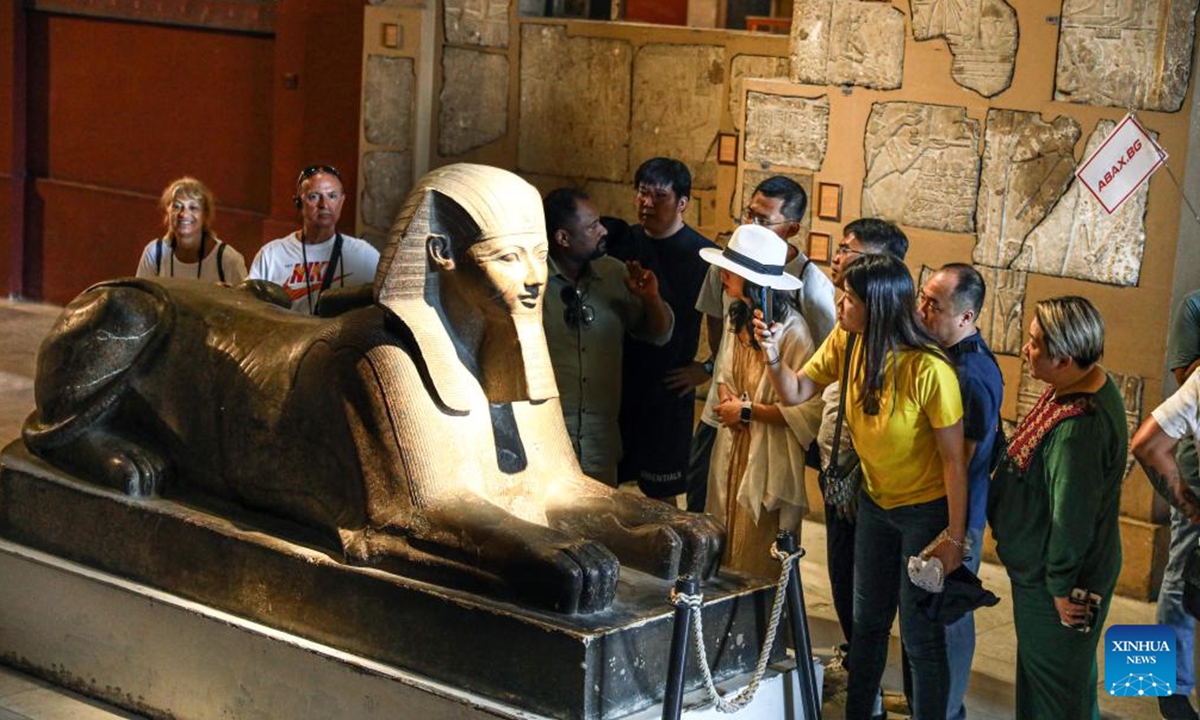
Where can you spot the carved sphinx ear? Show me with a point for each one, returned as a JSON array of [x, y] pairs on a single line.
[[438, 247]]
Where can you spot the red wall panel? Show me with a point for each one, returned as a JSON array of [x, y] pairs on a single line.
[[662, 12]]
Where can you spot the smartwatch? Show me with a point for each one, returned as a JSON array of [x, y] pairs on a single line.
[[708, 366], [746, 408]]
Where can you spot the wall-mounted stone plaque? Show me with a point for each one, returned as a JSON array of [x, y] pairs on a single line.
[[846, 42], [922, 166], [751, 66], [474, 101], [574, 105], [477, 22], [982, 35], [786, 130], [677, 94], [1027, 165], [388, 101], [1078, 239], [387, 179], [1133, 54]]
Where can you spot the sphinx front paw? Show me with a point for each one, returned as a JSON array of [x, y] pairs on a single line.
[[569, 576]]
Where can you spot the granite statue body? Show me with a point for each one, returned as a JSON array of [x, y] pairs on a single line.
[[421, 434]]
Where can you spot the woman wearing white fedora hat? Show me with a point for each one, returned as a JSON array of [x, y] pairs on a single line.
[[756, 477]]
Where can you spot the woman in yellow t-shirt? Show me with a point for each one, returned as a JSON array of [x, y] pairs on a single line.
[[904, 414]]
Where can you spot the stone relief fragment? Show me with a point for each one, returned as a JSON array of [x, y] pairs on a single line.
[[922, 166], [1000, 318], [1078, 239], [1133, 54], [477, 22], [751, 178], [677, 94], [751, 66], [387, 179], [388, 101], [1131, 387], [982, 35], [786, 130], [1027, 165], [575, 105], [474, 101], [846, 42]]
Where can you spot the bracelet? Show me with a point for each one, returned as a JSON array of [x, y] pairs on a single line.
[[772, 363], [951, 540]]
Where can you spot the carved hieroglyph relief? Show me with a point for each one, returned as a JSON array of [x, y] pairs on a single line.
[[677, 94], [922, 166], [1000, 318], [387, 179], [388, 101], [982, 35], [846, 42], [786, 130], [1027, 165], [1133, 54], [751, 66], [477, 22], [474, 100], [1078, 239], [1131, 387], [575, 105], [751, 178]]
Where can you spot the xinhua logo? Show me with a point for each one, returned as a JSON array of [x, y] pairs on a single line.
[[1139, 660]]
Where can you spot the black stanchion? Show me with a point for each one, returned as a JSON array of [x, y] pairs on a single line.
[[798, 619], [673, 695]]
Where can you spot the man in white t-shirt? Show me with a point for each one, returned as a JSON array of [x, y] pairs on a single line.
[[1177, 418], [316, 257]]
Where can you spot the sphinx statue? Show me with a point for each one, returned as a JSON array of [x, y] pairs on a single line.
[[420, 434]]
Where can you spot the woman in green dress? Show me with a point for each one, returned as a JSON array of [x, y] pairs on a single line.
[[1053, 509]]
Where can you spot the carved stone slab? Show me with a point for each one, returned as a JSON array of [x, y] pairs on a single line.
[[477, 22], [589, 135], [474, 100], [1078, 239], [1027, 165], [751, 179], [387, 179], [982, 35], [387, 101], [784, 130], [677, 100], [1125, 53], [922, 166], [846, 42], [751, 66], [1000, 319], [1131, 387]]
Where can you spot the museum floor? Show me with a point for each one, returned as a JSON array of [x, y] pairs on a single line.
[[22, 326]]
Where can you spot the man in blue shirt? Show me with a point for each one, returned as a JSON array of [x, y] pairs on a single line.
[[948, 304]]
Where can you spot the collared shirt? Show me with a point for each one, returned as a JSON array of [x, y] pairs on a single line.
[[587, 356], [982, 389]]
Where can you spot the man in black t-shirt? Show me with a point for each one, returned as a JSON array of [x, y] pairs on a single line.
[[659, 391]]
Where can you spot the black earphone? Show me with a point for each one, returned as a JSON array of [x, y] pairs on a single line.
[[308, 172]]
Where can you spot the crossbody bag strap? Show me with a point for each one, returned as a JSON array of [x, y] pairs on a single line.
[[330, 270], [221, 261], [841, 412]]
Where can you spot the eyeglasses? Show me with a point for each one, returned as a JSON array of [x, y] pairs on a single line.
[[843, 249], [749, 216], [311, 170], [575, 310]]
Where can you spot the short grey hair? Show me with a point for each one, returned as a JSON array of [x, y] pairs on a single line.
[[1072, 328]]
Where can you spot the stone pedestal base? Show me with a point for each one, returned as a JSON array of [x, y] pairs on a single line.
[[600, 666]]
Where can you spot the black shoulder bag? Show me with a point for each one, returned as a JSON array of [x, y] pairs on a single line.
[[840, 485]]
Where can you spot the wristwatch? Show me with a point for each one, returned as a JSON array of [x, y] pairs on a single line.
[[746, 408], [708, 366]]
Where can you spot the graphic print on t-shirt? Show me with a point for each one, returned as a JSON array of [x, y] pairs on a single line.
[[298, 286]]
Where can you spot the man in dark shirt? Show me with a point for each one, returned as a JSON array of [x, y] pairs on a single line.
[[659, 392], [949, 305]]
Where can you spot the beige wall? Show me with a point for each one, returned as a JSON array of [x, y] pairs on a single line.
[[1137, 317]]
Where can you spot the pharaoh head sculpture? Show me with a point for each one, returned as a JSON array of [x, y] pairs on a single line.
[[465, 271]]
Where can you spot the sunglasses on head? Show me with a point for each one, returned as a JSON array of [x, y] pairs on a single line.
[[311, 170]]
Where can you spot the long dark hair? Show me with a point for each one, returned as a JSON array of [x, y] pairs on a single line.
[[886, 288], [741, 314]]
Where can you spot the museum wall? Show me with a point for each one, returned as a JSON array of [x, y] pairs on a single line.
[[118, 106], [968, 143]]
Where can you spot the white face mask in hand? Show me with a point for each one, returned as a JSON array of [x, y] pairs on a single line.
[[926, 574]]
